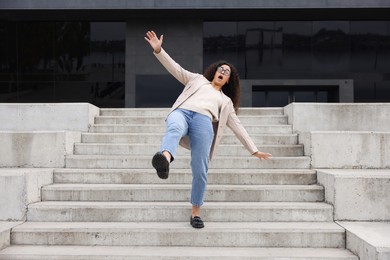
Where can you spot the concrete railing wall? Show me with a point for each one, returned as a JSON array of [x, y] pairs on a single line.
[[37, 148], [35, 138], [47, 116], [343, 135], [18, 188], [306, 117]]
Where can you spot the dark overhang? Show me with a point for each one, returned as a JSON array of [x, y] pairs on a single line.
[[188, 4], [198, 9]]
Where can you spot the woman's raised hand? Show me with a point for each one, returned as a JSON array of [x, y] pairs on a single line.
[[154, 41]]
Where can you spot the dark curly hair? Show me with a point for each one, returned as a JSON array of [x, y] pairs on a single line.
[[232, 87]]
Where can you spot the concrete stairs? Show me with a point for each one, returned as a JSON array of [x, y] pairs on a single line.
[[108, 203]]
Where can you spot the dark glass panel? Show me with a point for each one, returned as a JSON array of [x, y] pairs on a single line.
[[364, 90], [35, 51], [383, 91], [95, 71], [296, 45], [278, 98], [8, 51], [322, 96], [157, 90], [8, 91], [8, 76], [72, 46], [106, 63], [259, 99], [220, 42], [331, 46], [35, 92], [367, 40], [304, 96], [384, 52], [260, 48]]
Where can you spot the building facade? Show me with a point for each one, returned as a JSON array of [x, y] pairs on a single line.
[[285, 51]]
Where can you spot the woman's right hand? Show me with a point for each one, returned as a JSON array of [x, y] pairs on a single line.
[[154, 41]]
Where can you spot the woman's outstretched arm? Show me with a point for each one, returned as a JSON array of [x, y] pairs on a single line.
[[181, 74]]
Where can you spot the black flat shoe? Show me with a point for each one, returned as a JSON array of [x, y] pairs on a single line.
[[161, 164], [196, 222]]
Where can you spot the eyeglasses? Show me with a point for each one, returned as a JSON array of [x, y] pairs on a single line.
[[223, 71]]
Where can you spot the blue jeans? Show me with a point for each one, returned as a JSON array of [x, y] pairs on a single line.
[[199, 129]]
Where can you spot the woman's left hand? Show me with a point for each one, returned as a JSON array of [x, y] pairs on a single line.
[[262, 156]]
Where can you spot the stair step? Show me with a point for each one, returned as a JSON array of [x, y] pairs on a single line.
[[148, 149], [141, 138], [183, 176], [160, 128], [178, 211], [181, 192], [165, 111], [215, 234], [142, 162], [258, 120], [174, 253]]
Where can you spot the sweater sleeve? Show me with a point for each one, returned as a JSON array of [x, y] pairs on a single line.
[[235, 125], [182, 75]]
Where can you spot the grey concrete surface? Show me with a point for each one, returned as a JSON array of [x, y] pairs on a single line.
[[47, 116], [37, 149], [357, 195], [20, 187], [306, 117], [349, 149], [368, 240], [5, 232]]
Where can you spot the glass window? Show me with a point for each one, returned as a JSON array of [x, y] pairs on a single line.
[[383, 91], [63, 61], [331, 46], [35, 51], [364, 90], [259, 99], [296, 45], [105, 63], [8, 76], [367, 40], [305, 96], [278, 98], [220, 42], [260, 48]]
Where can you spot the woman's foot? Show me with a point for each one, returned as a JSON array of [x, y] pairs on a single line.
[[161, 164], [196, 222]]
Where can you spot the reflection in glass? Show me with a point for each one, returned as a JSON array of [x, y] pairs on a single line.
[[304, 96], [296, 45], [72, 46], [35, 92], [382, 91], [331, 46], [220, 42], [62, 61], [35, 50], [367, 40], [357, 50], [278, 98]]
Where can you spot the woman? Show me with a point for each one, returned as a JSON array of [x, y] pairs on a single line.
[[197, 119]]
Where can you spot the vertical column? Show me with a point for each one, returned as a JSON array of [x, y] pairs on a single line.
[[183, 40]]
